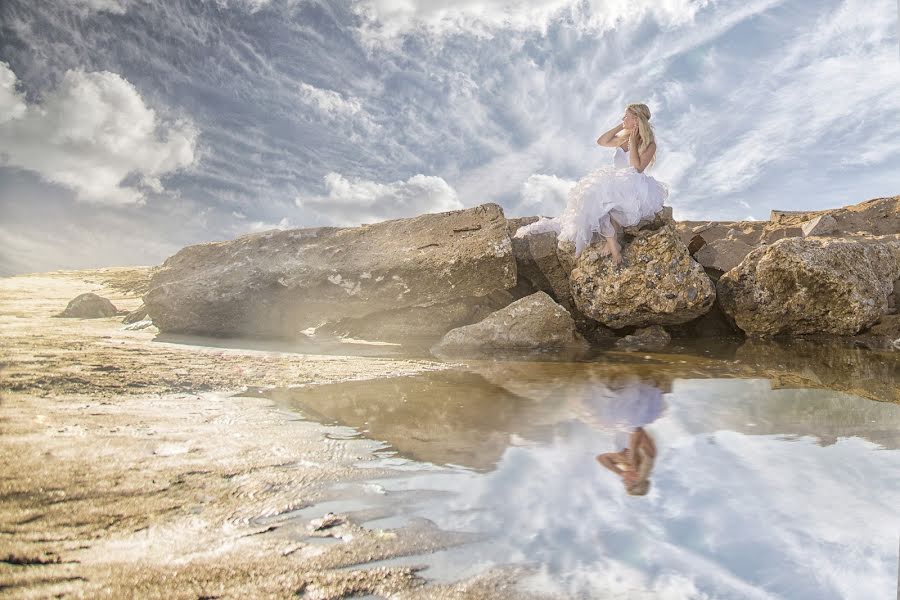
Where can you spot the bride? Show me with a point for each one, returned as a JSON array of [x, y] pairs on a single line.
[[609, 198]]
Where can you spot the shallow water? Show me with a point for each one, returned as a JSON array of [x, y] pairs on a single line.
[[762, 486]]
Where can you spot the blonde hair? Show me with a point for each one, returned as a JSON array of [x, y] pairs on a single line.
[[642, 113]]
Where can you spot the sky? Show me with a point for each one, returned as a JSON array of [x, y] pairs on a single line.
[[131, 128]]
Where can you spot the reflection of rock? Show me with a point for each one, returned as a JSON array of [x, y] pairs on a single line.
[[811, 286], [648, 339], [534, 322], [824, 364], [661, 284], [442, 418], [281, 282], [89, 306]]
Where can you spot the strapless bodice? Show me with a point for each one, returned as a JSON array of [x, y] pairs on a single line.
[[620, 160]]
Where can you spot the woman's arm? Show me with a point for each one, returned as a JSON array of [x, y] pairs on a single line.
[[608, 139], [636, 158]]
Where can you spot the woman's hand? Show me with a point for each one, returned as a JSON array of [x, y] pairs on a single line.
[[633, 140]]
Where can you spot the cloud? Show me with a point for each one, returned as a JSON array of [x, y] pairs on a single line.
[[385, 19], [351, 202], [117, 7], [94, 135], [543, 195]]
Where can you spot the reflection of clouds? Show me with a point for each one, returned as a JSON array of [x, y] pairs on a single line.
[[730, 515]]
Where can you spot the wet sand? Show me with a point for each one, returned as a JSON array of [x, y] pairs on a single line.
[[129, 468]]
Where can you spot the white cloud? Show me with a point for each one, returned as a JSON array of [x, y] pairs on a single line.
[[12, 105], [385, 19], [257, 226], [543, 195], [94, 135], [351, 202]]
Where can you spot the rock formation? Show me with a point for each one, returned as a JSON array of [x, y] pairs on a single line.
[[660, 283], [812, 286], [279, 283]]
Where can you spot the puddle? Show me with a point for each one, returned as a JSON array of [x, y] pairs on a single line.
[[761, 486]]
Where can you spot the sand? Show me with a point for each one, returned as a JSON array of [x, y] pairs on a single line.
[[131, 469]]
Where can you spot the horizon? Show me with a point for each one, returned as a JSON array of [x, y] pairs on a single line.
[[129, 130]]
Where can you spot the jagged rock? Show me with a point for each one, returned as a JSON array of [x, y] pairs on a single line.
[[661, 284], [138, 314], [657, 221], [89, 306], [532, 323], [723, 254], [649, 339], [278, 283], [821, 225], [812, 286], [879, 216]]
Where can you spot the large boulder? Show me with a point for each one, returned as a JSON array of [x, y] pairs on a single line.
[[278, 283], [89, 306], [660, 283], [799, 286], [535, 322], [538, 264]]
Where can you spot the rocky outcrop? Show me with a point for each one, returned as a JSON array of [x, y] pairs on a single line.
[[804, 286], [279, 283], [89, 306], [648, 339], [660, 283], [535, 322], [138, 314], [821, 225]]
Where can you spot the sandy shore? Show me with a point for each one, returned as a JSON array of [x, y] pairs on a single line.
[[129, 469]]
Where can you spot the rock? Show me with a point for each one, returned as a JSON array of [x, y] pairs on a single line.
[[416, 323], [328, 521], [695, 244], [821, 225], [879, 216], [278, 283], [649, 339], [723, 254], [538, 263], [657, 221], [138, 314], [661, 284], [801, 286], [139, 325], [535, 322], [885, 334], [89, 306]]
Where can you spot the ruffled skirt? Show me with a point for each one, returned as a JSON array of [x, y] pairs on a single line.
[[603, 198]]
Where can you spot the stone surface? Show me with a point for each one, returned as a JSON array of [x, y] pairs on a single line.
[[538, 263], [89, 306], [661, 284], [812, 286], [415, 323], [722, 254], [278, 283], [821, 225], [649, 339], [532, 323], [138, 314]]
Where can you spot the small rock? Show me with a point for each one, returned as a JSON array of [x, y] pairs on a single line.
[[648, 339], [89, 306], [532, 323], [327, 522], [821, 225], [138, 314], [722, 255]]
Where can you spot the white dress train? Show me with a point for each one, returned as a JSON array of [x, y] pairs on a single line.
[[618, 193]]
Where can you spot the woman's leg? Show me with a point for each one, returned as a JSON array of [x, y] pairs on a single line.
[[613, 248]]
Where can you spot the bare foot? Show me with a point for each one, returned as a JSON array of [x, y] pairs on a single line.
[[612, 247]]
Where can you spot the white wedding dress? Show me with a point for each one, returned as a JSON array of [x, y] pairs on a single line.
[[618, 193]]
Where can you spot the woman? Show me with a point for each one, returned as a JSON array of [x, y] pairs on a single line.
[[609, 198]]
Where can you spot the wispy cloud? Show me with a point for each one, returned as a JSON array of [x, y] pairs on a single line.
[[351, 202]]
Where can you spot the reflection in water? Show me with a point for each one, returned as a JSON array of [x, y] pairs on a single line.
[[634, 463], [757, 492]]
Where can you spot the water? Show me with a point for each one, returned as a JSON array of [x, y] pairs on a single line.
[[762, 486]]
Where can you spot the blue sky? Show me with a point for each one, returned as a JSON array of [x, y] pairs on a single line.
[[130, 128]]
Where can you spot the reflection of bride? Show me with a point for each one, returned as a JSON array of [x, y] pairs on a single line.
[[625, 408]]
